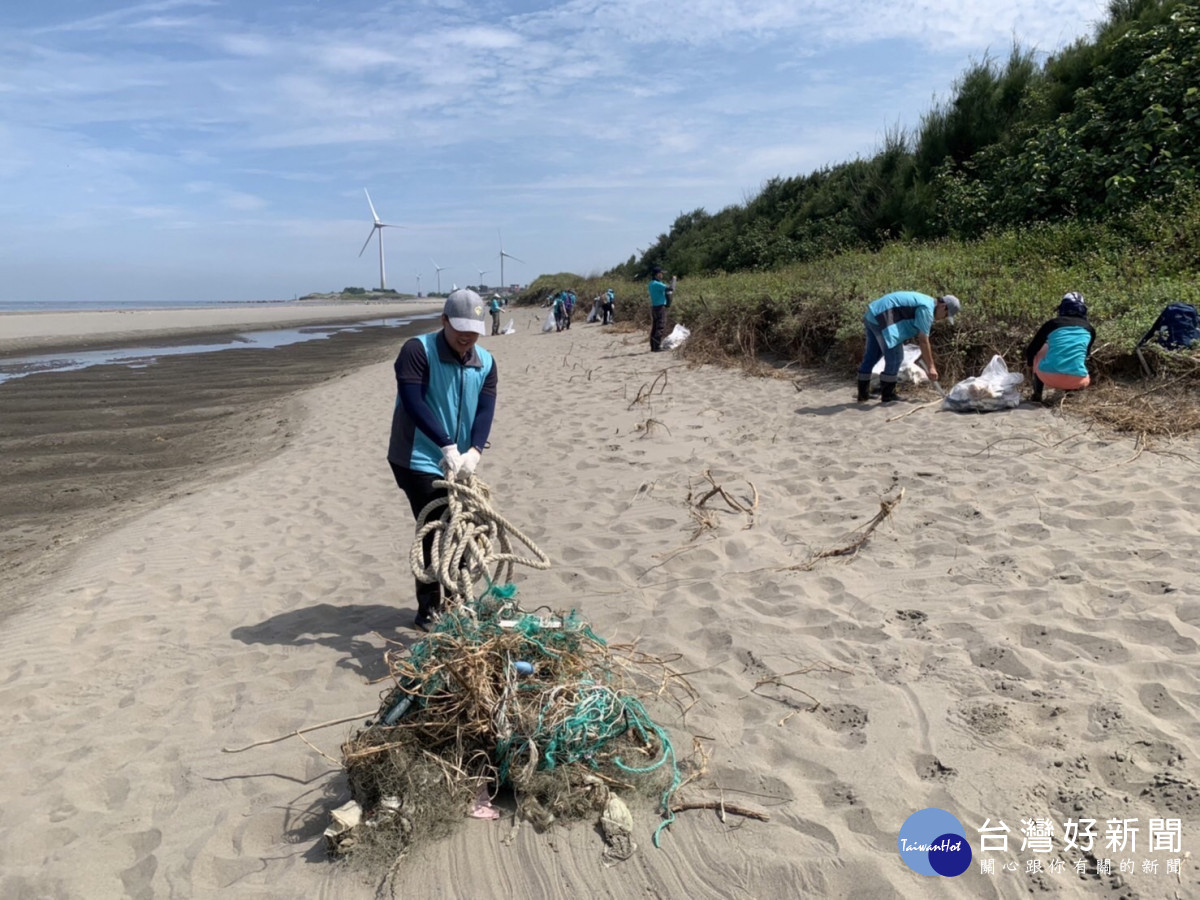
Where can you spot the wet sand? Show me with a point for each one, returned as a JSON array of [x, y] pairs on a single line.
[[81, 452]]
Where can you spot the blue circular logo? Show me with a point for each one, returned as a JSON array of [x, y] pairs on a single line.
[[934, 842]]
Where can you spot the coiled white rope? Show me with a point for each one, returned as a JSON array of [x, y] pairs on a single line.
[[470, 537]]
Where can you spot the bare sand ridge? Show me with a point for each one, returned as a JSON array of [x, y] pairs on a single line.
[[1019, 640]]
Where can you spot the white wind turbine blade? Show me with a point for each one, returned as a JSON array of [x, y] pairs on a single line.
[[510, 256], [374, 215], [369, 236]]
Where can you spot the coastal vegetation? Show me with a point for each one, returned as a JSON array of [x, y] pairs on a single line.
[[1078, 174]]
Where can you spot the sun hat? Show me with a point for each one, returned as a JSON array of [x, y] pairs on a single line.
[[953, 306], [464, 309]]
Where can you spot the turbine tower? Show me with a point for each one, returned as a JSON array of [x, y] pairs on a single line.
[[503, 255], [418, 284], [439, 274], [377, 228], [482, 272]]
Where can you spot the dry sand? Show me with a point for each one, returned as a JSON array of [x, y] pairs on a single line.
[[1018, 641]]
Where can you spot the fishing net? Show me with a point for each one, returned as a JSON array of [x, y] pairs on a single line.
[[499, 700]]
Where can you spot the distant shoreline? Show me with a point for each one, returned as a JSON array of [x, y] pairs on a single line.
[[25, 332]]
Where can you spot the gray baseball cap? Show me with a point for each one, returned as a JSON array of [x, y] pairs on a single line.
[[464, 309], [953, 307]]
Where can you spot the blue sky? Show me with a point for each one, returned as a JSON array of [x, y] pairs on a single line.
[[202, 150]]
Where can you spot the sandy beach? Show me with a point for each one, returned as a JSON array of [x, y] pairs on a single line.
[[1018, 641]]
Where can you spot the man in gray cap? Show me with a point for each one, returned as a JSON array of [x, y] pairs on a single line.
[[445, 402], [890, 321]]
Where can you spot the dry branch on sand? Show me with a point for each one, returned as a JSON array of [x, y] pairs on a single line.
[[706, 518], [646, 391], [886, 506]]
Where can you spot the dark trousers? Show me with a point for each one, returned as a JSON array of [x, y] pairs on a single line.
[[606, 312], [658, 326], [496, 322], [418, 488]]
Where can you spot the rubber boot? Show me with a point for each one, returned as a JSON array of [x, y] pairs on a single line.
[[864, 390], [888, 392]]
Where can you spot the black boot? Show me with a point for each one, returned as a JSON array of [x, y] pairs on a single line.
[[864, 390], [887, 392]]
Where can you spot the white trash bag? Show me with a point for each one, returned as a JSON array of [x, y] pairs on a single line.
[[548, 325], [678, 335], [909, 372], [995, 388], [510, 328]]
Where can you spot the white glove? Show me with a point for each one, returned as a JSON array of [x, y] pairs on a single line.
[[452, 460], [470, 460]]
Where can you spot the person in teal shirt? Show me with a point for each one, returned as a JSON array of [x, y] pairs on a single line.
[[494, 308], [559, 303], [1057, 355], [890, 321], [660, 302]]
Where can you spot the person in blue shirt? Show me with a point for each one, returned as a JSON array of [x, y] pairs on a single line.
[[607, 306], [445, 403], [568, 308], [494, 307], [1057, 356], [660, 302], [559, 304], [890, 321]]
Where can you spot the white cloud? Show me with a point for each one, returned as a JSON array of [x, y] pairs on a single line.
[[465, 116]]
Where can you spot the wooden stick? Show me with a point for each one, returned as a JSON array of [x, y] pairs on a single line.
[[720, 805], [914, 409], [297, 732]]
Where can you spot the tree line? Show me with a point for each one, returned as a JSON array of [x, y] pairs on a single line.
[[1106, 126]]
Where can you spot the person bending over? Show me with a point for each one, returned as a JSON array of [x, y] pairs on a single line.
[[890, 321], [1057, 356]]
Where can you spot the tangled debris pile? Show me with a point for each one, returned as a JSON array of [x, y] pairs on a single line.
[[497, 699], [494, 699]]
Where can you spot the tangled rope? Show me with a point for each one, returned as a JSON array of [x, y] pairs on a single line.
[[470, 537]]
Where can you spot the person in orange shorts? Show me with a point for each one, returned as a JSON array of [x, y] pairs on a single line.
[[1057, 355]]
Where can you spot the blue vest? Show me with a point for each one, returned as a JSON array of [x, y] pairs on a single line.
[[453, 395], [1066, 351]]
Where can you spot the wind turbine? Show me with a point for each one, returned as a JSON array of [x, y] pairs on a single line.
[[482, 272], [503, 255], [439, 274], [418, 284], [377, 228]]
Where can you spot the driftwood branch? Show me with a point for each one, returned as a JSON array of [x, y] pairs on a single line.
[[297, 733], [722, 807], [886, 507]]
